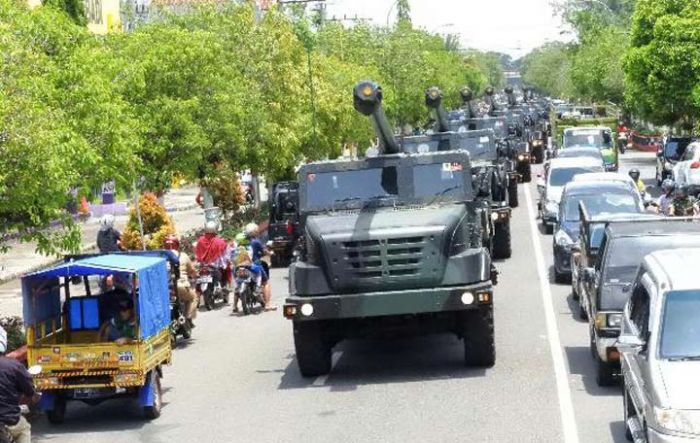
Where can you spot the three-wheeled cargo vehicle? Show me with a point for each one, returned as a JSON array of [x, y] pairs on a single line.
[[98, 328]]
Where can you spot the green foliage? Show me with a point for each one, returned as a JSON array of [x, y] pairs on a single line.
[[547, 68], [74, 8], [661, 66]]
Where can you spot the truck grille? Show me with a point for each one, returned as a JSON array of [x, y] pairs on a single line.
[[392, 257]]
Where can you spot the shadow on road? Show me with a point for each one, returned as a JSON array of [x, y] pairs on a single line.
[[382, 361], [617, 429], [575, 308], [581, 363]]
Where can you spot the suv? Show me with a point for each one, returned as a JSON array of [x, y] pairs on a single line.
[[393, 242], [670, 153], [609, 282], [660, 349]]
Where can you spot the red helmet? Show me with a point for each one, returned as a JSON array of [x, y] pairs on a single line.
[[171, 242]]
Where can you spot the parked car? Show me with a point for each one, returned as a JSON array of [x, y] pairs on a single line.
[[608, 283], [669, 153], [550, 187], [660, 349], [599, 197], [687, 169]]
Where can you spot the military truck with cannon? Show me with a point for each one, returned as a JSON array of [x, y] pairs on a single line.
[[392, 243], [490, 176]]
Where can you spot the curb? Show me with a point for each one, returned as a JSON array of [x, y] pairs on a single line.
[[39, 267]]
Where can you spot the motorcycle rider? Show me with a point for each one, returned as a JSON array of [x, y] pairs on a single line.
[[185, 293], [683, 205], [212, 250], [15, 382], [641, 187], [258, 251], [259, 274], [666, 199], [108, 238]]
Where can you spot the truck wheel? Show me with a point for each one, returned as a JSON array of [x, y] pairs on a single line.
[[560, 277], [57, 415], [605, 375], [313, 351], [527, 174], [513, 194], [153, 412], [539, 155], [628, 412], [501, 240], [479, 341]]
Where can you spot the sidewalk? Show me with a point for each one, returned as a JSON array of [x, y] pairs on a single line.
[[22, 257]]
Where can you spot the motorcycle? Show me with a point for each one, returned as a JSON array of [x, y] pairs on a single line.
[[209, 287], [247, 290], [179, 326], [622, 139]]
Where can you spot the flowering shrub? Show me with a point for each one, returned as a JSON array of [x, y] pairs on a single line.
[[157, 224]]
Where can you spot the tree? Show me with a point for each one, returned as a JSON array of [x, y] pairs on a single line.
[[547, 68], [74, 8], [403, 12], [661, 70]]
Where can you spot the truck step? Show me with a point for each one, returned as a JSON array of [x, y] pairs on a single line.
[[637, 430]]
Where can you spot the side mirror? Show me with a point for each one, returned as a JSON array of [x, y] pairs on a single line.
[[589, 275], [630, 343]]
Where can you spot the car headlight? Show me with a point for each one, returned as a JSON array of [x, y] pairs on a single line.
[[561, 238], [677, 420]]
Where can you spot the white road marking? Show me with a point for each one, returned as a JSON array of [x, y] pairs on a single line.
[[566, 407], [321, 379]]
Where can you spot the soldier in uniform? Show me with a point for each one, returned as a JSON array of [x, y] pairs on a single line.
[[683, 205]]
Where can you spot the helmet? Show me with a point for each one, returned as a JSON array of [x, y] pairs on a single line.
[[211, 227], [107, 222], [251, 229], [682, 191], [171, 242], [489, 91], [634, 173], [508, 90], [668, 185]]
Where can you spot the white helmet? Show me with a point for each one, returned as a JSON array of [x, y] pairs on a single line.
[[251, 229], [211, 227], [107, 222], [3, 340]]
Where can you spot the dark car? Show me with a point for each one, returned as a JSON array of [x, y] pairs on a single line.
[[669, 153], [609, 282], [599, 198]]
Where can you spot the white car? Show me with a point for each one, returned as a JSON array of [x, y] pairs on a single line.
[[687, 170], [560, 171]]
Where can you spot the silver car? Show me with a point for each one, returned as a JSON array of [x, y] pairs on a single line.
[[660, 349]]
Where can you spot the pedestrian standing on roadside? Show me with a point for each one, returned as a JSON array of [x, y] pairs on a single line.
[[108, 238], [15, 382]]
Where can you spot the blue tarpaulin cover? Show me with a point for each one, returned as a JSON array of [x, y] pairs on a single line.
[[153, 303]]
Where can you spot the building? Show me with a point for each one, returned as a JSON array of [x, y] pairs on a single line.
[[103, 16]]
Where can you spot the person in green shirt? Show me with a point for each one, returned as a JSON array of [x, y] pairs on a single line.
[[121, 329]]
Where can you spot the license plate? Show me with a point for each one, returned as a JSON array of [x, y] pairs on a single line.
[[206, 279], [203, 287], [86, 393]]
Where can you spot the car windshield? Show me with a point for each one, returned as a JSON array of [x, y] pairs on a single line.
[[680, 327], [386, 186], [585, 153], [589, 138], [672, 151], [600, 204], [562, 176]]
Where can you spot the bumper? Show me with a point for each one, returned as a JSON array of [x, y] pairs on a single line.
[[562, 259], [611, 167], [654, 436], [375, 304], [549, 218]]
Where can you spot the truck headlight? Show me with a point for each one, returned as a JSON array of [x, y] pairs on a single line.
[[677, 420], [614, 320], [551, 206], [608, 320], [561, 238], [668, 166], [521, 157]]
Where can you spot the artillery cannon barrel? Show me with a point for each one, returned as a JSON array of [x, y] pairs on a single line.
[[367, 100], [433, 99], [488, 98], [467, 96], [512, 101]]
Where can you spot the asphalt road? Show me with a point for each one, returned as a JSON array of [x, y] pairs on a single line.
[[237, 381]]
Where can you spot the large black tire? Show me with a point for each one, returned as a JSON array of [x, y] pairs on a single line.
[[527, 174], [245, 301], [501, 240], [479, 339], [538, 154], [209, 299], [153, 412], [560, 277], [605, 373], [312, 349], [513, 200], [57, 415], [628, 410]]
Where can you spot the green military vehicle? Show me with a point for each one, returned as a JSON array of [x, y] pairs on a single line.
[[390, 243]]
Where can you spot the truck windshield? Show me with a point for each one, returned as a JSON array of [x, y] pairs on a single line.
[[587, 138], [386, 186], [600, 204], [680, 328]]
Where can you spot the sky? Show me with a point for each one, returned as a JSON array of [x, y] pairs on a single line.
[[514, 27]]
